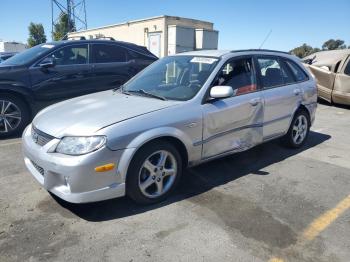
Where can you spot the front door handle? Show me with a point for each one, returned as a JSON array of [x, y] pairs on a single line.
[[255, 101]]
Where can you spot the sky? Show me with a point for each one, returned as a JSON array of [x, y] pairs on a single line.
[[241, 23]]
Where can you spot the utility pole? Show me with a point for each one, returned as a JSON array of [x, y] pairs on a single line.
[[75, 11]]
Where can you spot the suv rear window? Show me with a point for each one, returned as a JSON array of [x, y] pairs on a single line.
[[298, 73], [102, 53]]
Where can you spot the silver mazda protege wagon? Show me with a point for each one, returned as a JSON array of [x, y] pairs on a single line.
[[180, 111]]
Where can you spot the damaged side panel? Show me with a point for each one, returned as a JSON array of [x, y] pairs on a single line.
[[233, 124]]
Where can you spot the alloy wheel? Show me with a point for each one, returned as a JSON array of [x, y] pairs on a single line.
[[157, 174], [10, 116], [300, 129]]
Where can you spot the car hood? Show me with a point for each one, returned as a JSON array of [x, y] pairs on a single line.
[[86, 115]]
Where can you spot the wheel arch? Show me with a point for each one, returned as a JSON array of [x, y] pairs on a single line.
[[170, 135], [24, 97]]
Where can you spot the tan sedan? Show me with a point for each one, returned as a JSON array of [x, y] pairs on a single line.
[[332, 72]]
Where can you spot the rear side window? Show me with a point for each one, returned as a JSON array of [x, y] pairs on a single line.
[[272, 73], [347, 68], [298, 73], [108, 54]]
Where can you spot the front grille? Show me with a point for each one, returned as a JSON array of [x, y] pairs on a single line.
[[38, 168], [40, 137]]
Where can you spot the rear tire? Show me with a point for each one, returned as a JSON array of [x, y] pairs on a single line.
[[298, 131], [14, 115], [153, 173]]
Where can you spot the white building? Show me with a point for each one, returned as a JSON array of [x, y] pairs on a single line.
[[11, 47], [162, 35]]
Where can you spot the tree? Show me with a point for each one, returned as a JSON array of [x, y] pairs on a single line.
[[36, 34], [332, 44], [63, 27], [304, 50]]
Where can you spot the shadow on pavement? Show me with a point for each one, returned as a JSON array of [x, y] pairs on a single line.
[[199, 179]]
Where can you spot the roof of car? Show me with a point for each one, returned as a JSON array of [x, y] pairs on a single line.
[[328, 58], [220, 53]]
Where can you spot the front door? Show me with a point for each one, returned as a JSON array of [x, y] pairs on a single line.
[[234, 124], [70, 77]]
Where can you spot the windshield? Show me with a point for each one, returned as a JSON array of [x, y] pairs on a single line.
[[174, 78], [28, 55]]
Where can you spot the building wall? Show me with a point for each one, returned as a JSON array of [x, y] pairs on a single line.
[[134, 32], [138, 31], [11, 47]]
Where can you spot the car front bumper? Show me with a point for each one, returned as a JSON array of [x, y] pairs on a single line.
[[73, 178]]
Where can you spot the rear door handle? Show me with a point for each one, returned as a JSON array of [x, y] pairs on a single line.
[[297, 92], [255, 101]]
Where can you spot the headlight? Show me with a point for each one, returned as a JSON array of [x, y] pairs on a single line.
[[74, 145]]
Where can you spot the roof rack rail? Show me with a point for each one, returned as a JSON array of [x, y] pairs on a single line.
[[260, 50], [104, 38], [76, 38]]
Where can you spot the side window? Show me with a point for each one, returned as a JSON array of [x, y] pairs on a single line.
[[347, 68], [102, 53], [298, 73], [239, 74], [271, 72], [71, 55]]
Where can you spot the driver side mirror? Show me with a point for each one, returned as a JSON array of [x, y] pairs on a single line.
[[220, 92], [47, 62]]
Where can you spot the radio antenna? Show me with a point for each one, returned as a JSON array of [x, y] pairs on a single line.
[[267, 36]]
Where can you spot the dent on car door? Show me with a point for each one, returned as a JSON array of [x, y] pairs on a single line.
[[70, 75], [341, 92], [235, 123], [110, 66], [282, 94]]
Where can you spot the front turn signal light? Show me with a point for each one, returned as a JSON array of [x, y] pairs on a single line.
[[105, 168]]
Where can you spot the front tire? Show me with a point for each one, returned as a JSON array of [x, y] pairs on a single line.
[[14, 115], [153, 173], [298, 130]]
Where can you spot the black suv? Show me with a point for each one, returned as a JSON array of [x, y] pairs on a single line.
[[51, 72]]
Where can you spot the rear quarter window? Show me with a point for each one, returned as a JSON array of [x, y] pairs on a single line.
[[298, 73]]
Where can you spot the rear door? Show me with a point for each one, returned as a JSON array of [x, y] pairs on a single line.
[[235, 123], [281, 92], [70, 77], [111, 65]]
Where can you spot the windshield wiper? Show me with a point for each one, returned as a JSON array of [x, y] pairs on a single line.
[[145, 93], [119, 88]]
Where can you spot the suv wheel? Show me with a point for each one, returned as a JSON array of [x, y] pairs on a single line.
[[298, 130], [14, 115], [153, 173]]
